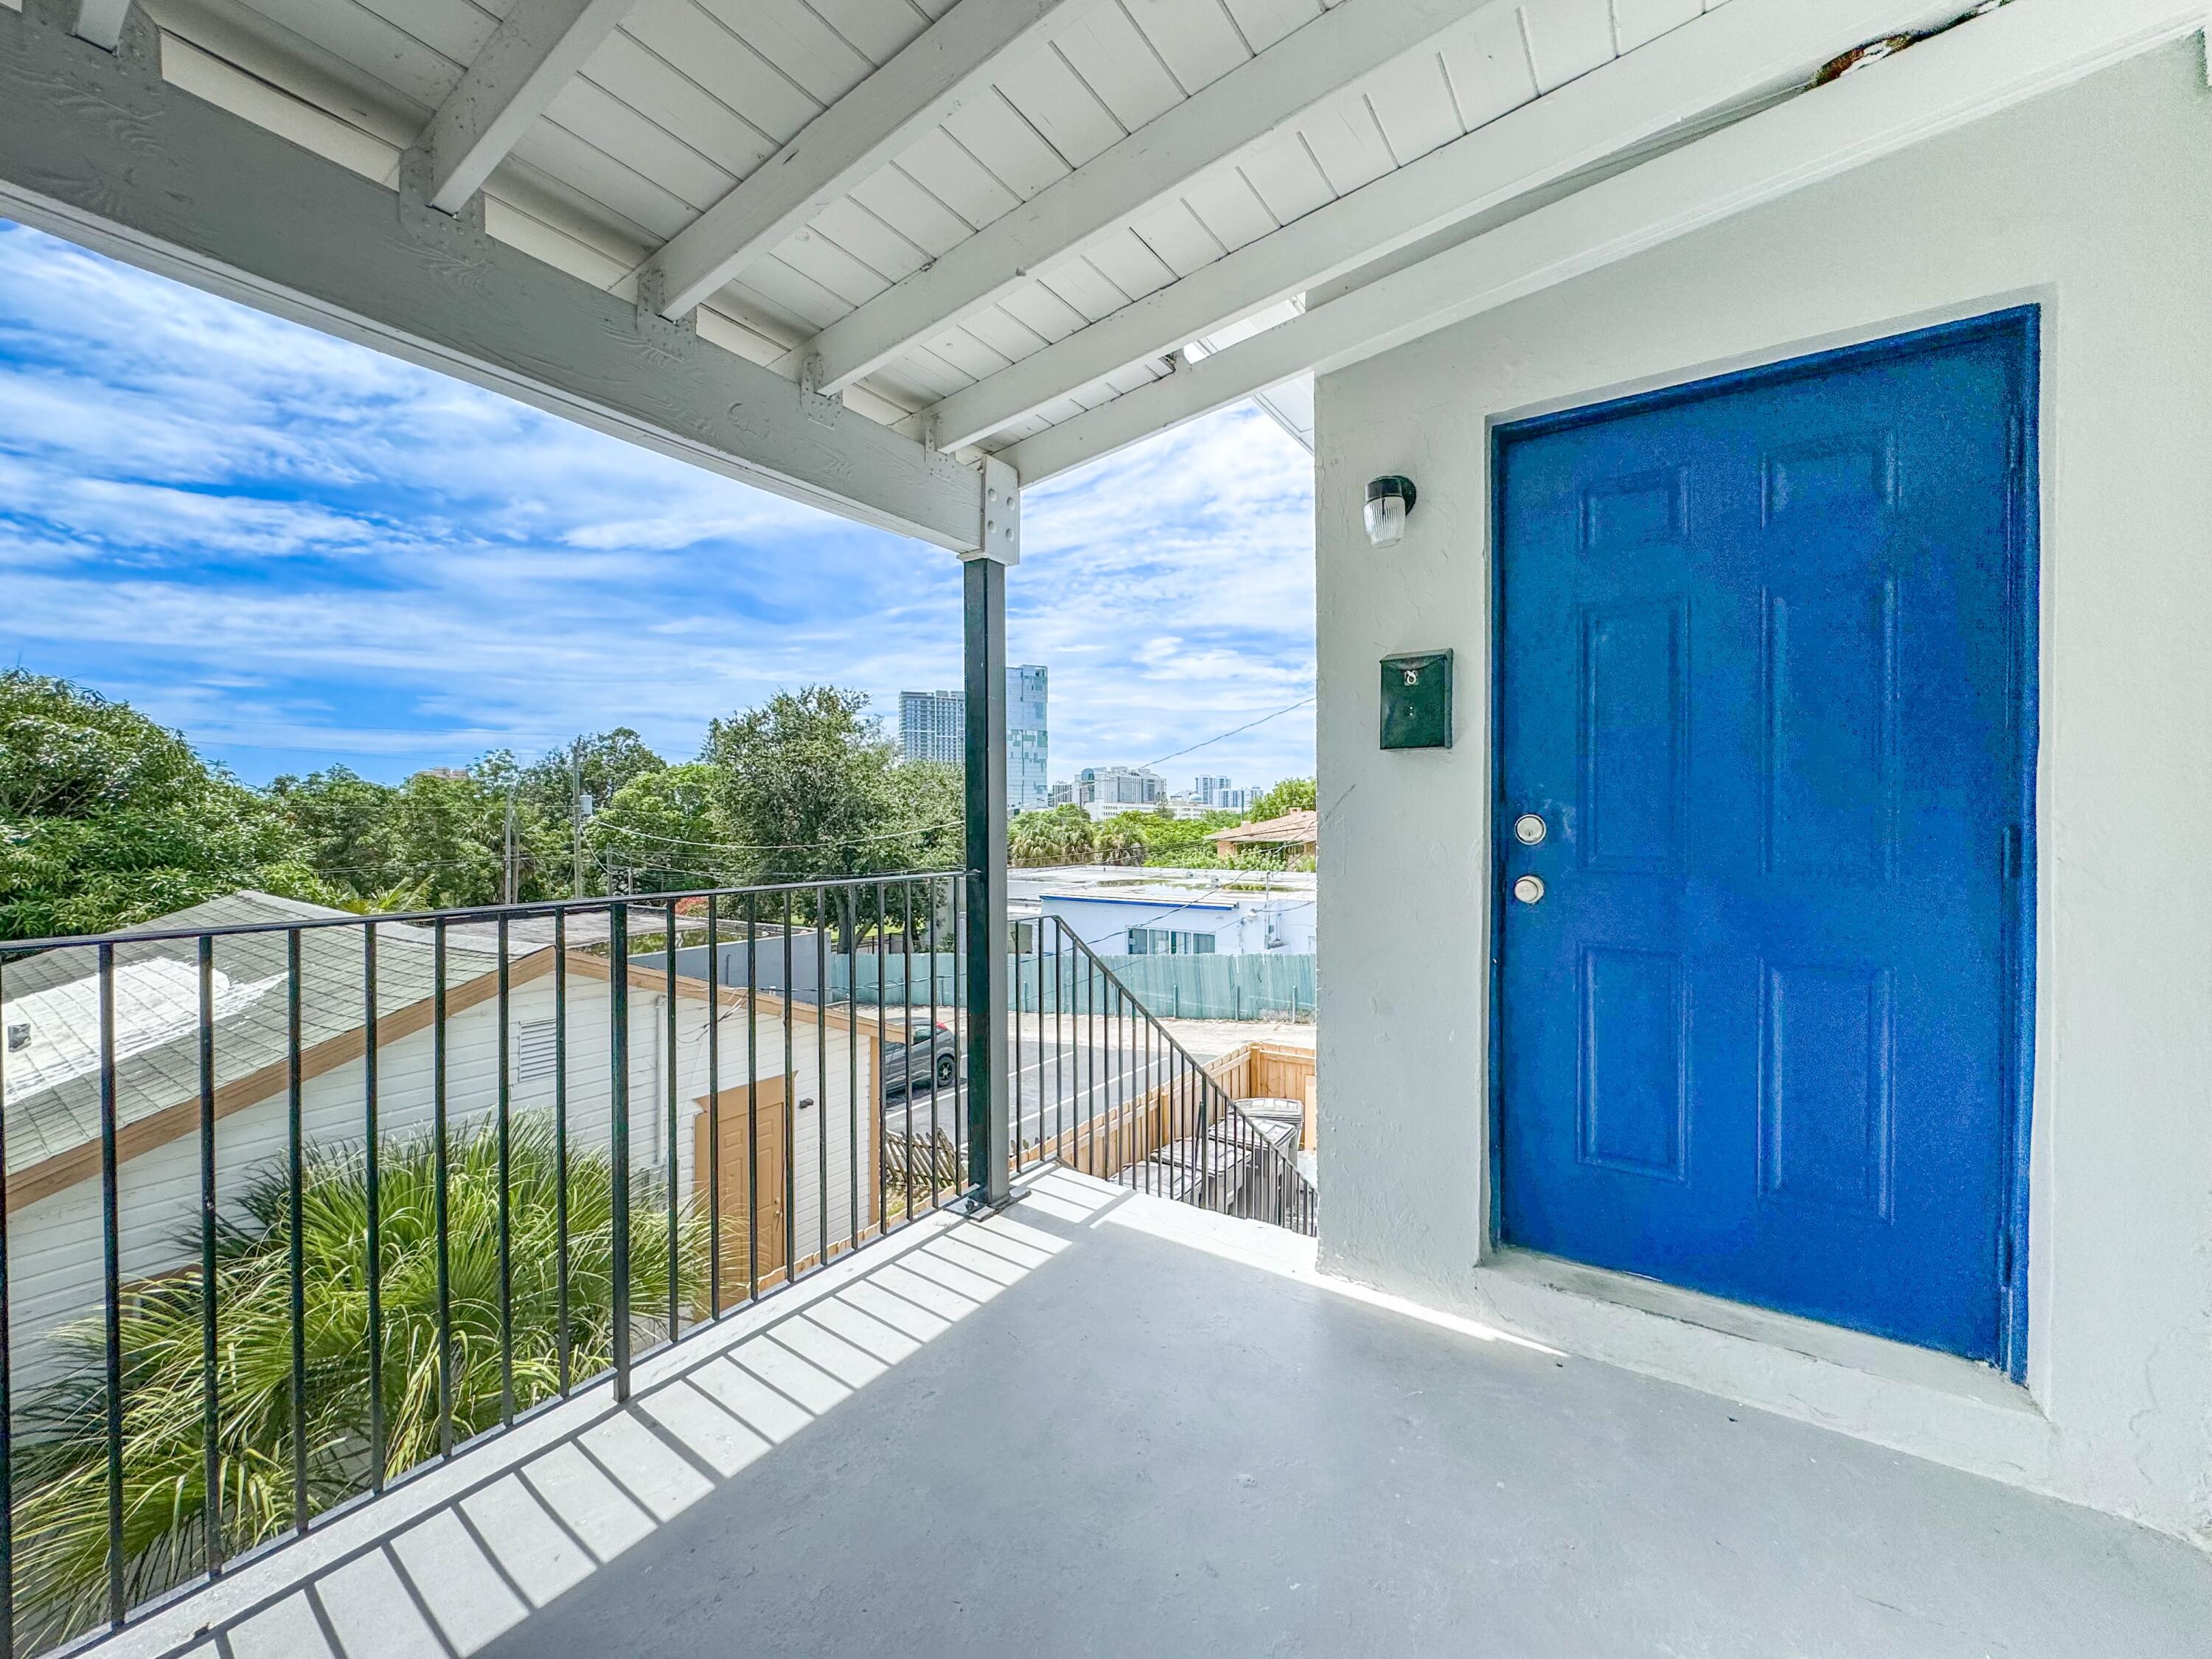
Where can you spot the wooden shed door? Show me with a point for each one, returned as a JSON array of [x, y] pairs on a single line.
[[768, 1156]]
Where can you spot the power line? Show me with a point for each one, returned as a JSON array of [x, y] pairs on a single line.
[[1287, 709], [785, 847]]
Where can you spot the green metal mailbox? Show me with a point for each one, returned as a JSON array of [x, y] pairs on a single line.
[[1416, 700]]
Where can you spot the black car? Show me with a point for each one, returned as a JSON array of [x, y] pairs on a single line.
[[924, 1058]]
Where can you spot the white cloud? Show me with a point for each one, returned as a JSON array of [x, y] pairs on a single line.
[[301, 551]]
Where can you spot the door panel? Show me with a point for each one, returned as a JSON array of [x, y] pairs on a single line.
[[1761, 672], [765, 1158]]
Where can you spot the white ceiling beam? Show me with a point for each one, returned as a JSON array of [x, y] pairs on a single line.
[[97, 148], [1989, 63], [1256, 99], [528, 58], [948, 64], [1719, 60], [100, 21]]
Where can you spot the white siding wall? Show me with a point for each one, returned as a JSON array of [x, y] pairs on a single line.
[[55, 1250], [849, 1152]]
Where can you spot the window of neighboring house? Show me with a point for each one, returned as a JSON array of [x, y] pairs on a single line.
[[535, 1058], [1167, 942]]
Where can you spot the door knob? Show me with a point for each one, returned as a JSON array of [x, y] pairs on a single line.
[[1529, 890]]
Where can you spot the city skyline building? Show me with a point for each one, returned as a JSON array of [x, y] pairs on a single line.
[[933, 726]]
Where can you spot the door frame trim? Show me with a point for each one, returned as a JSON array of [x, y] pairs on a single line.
[[2023, 321]]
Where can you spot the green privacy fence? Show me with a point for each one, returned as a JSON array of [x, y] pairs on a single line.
[[1271, 986]]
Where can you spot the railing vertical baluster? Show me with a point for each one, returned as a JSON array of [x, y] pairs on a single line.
[[906, 1016], [210, 1403], [1125, 1039], [1172, 1081], [1132, 1078], [713, 1111], [1037, 938], [1109, 1131], [294, 1129], [822, 1075], [1011, 1086], [1083, 1058], [373, 1193], [850, 906], [1126, 1072], [1249, 1140], [964, 1022], [1150, 1141], [1179, 1085], [790, 1108], [440, 1188], [1140, 1108], [111, 1282], [1059, 1044], [1114, 1062], [876, 1086], [934, 1185], [1086, 1070], [675, 1267], [564, 1354], [618, 1137], [752, 1099], [1148, 1124], [1016, 1128], [1102, 1090], [503, 1099]]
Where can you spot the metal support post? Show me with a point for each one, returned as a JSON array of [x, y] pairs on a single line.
[[990, 1083]]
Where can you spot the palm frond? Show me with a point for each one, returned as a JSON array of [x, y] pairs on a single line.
[[61, 1549]]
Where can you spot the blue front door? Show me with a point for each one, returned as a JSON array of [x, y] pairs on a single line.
[[1764, 707]]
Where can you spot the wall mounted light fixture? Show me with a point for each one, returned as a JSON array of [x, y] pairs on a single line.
[[1389, 501]]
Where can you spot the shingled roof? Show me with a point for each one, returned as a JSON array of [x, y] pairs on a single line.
[[1291, 829], [52, 1082]]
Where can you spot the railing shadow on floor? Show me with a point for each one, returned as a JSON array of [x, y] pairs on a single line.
[[450, 1562]]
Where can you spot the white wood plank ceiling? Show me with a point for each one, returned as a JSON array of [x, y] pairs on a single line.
[[683, 101], [980, 222]]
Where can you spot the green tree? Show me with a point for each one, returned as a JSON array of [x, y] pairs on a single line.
[[449, 832], [61, 1545], [929, 804], [1062, 835], [666, 828], [107, 819], [806, 786], [1120, 838], [1184, 843], [341, 829], [1290, 795], [607, 763]]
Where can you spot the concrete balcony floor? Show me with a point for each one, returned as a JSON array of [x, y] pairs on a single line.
[[1103, 1424]]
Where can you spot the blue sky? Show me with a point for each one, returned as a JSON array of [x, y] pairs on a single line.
[[301, 552]]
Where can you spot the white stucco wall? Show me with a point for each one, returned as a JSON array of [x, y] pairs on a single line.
[[2094, 202], [54, 1245]]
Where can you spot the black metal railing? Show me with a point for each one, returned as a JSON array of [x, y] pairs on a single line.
[[1099, 1084], [294, 1204]]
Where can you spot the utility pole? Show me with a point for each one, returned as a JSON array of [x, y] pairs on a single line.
[[576, 811], [508, 862]]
